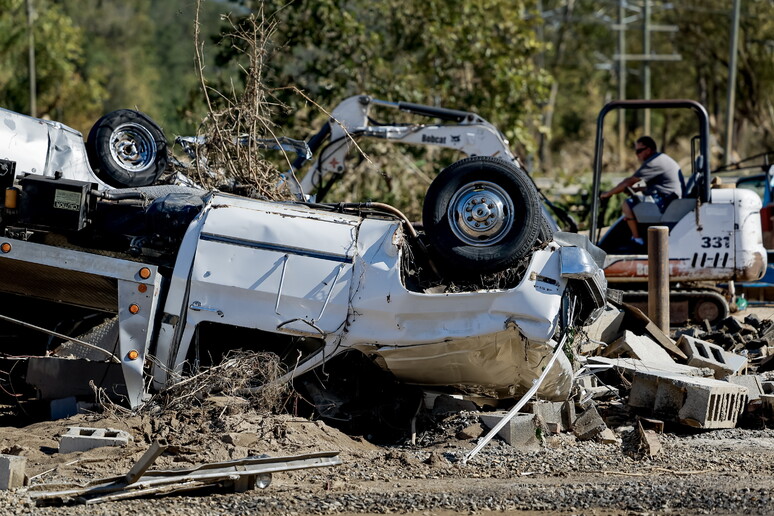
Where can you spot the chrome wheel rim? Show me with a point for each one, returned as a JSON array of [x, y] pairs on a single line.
[[132, 146], [481, 214]]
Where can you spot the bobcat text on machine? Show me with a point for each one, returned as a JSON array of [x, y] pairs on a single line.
[[714, 233], [129, 288]]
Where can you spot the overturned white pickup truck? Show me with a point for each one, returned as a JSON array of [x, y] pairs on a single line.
[[128, 288]]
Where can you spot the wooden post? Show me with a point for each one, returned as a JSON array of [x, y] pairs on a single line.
[[658, 276]]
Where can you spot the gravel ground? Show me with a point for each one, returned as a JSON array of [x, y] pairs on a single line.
[[697, 472], [727, 471]]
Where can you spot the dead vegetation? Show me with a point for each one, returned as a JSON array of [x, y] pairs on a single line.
[[246, 380], [253, 376], [229, 145]]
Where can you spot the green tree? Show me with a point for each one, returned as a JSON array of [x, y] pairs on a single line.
[[476, 56], [63, 92], [705, 28], [143, 54]]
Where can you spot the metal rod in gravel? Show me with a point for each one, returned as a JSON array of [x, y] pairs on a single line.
[[524, 399]]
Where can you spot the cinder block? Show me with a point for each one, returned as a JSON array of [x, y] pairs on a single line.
[[640, 347], [589, 424], [12, 471], [561, 413], [751, 381], [82, 439], [520, 432], [692, 401], [587, 381], [705, 354]]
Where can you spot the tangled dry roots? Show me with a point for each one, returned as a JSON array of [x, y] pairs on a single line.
[[231, 155], [248, 374]]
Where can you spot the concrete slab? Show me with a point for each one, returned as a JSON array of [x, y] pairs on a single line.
[[12, 471], [82, 439], [589, 425], [640, 347], [649, 441], [608, 327], [637, 319], [692, 401], [607, 436], [751, 381], [706, 354], [633, 365], [520, 432]]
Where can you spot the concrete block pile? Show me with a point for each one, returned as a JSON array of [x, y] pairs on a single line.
[[634, 379], [709, 377]]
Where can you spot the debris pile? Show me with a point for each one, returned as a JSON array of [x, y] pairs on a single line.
[[632, 383], [707, 379], [751, 337], [633, 380]]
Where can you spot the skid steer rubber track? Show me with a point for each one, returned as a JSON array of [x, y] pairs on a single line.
[[686, 306]]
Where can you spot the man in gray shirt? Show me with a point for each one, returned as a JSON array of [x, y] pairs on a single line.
[[663, 182]]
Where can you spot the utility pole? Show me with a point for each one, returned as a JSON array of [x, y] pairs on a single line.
[[646, 61], [31, 57], [646, 57], [730, 100], [622, 81]]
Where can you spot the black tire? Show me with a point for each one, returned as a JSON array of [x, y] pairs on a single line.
[[546, 234], [126, 149], [712, 308], [548, 225], [509, 223]]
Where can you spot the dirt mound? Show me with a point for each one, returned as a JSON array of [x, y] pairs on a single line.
[[221, 428]]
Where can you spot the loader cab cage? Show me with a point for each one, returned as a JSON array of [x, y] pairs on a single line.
[[698, 185]]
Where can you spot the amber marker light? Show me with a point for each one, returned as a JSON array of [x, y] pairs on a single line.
[[133, 309], [5, 247], [133, 354], [145, 273], [142, 287]]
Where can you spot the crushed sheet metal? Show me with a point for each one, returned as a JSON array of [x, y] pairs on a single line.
[[44, 147], [524, 399], [582, 242], [504, 362], [157, 481]]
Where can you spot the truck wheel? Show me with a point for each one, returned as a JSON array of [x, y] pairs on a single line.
[[481, 215], [127, 149]]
